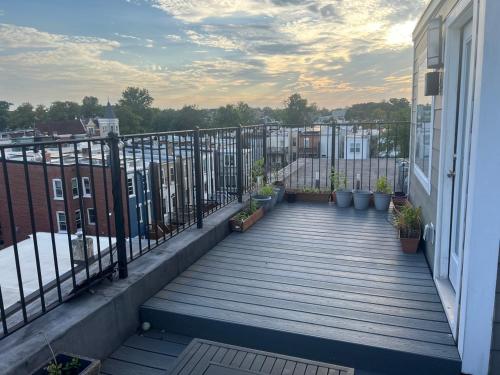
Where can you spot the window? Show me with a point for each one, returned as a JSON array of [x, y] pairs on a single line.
[[74, 187], [78, 219], [91, 215], [58, 188], [87, 192], [306, 142], [355, 147], [61, 221], [145, 181], [423, 124], [130, 186]]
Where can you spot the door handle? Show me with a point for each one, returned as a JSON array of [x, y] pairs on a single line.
[[451, 173]]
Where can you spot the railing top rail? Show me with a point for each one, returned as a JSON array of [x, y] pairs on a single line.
[[54, 142]]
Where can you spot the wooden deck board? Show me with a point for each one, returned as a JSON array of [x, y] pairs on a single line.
[[311, 270], [151, 353]]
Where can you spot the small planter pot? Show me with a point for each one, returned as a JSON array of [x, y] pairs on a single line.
[[85, 366], [343, 198], [361, 199], [409, 245], [399, 199], [382, 201], [280, 190], [243, 225], [291, 196], [264, 201]]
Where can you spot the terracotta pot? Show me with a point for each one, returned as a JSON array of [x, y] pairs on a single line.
[[242, 226], [409, 245]]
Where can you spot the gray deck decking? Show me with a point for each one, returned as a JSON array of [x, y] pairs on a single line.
[[316, 282], [151, 353]]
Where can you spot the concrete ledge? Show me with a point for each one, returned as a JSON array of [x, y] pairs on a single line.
[[94, 325]]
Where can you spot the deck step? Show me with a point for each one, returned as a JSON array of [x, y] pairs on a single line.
[[265, 334]]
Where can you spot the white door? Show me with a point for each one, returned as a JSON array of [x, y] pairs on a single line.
[[459, 171]]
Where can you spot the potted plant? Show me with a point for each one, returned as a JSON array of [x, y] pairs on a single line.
[[341, 195], [399, 200], [361, 199], [382, 194], [408, 223], [279, 186], [264, 197], [68, 364], [247, 217], [312, 195]]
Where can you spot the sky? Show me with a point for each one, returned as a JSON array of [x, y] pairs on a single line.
[[207, 52]]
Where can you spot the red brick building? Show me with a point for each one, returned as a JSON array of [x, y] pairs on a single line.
[[81, 212]]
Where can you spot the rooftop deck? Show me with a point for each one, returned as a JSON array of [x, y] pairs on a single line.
[[316, 282]]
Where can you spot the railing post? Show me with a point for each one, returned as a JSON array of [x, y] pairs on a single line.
[[239, 164], [116, 184], [198, 179], [264, 150], [332, 167]]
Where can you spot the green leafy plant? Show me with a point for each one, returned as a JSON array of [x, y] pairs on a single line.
[[338, 180], [54, 368], [247, 212], [266, 190], [382, 186], [313, 190], [257, 169], [408, 221], [74, 364]]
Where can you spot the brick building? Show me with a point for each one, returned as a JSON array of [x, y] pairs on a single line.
[[85, 207]]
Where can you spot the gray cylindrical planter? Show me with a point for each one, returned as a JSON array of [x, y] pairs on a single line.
[[279, 193], [343, 198], [264, 201], [382, 201], [361, 199]]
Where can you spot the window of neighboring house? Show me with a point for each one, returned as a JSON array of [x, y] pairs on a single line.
[[355, 147], [172, 173], [306, 142], [130, 186], [91, 216], [61, 221], [78, 219], [87, 192], [145, 181], [423, 124], [294, 142], [229, 160], [58, 188], [74, 187]]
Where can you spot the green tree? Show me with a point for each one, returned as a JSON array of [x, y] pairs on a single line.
[[189, 117], [138, 102], [60, 111], [297, 112], [41, 113], [23, 117], [227, 116], [4, 114], [129, 121], [90, 107], [246, 114]]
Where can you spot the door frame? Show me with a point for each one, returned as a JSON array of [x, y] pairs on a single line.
[[474, 310], [458, 18]]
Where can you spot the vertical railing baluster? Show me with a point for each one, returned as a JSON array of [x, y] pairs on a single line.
[[94, 203], [118, 206], [239, 164], [13, 234], [51, 222], [127, 201], [106, 199], [33, 228], [3, 317], [198, 178]]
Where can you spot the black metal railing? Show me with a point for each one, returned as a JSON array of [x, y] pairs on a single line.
[[78, 210]]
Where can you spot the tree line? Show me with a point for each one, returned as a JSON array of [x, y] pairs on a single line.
[[137, 114]]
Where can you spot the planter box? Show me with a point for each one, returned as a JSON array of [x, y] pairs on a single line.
[[242, 226], [409, 245], [88, 366], [322, 197], [361, 199]]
